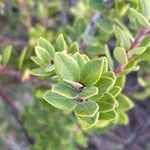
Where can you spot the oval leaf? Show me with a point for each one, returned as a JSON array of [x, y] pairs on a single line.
[[66, 67], [92, 71], [86, 109], [60, 101]]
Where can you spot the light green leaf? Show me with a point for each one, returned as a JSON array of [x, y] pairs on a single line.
[[122, 118], [42, 54], [91, 71], [104, 85], [88, 92], [110, 74], [79, 59], [144, 7], [39, 72], [120, 55], [106, 103], [65, 90], [88, 122], [140, 18], [59, 101], [137, 51], [123, 40], [124, 102], [145, 56], [86, 57], [120, 81], [124, 28], [42, 42], [108, 116], [109, 58], [38, 61], [73, 83], [6, 55], [49, 68], [105, 68], [79, 26], [74, 48], [115, 91], [97, 5], [61, 44], [86, 109], [0, 59], [21, 58], [66, 67], [105, 25]]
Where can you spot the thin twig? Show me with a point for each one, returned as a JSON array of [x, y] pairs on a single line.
[[18, 75]]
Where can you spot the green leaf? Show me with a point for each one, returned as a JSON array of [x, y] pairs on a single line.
[[42, 42], [22, 57], [91, 71], [115, 91], [131, 65], [145, 56], [108, 116], [105, 25], [66, 67], [88, 92], [124, 28], [137, 51], [123, 40], [73, 83], [104, 85], [49, 68], [144, 7], [0, 59], [38, 61], [105, 68], [88, 122], [110, 74], [106, 103], [121, 7], [120, 55], [65, 90], [124, 102], [6, 55], [39, 72], [122, 118], [74, 48], [79, 59], [79, 27], [140, 18], [86, 57], [86, 109], [42, 54], [97, 5], [120, 81], [109, 58], [61, 44], [59, 101]]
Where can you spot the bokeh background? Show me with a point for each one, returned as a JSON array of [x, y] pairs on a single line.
[[26, 122]]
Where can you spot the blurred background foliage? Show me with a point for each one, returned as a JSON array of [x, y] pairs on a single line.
[[25, 120]]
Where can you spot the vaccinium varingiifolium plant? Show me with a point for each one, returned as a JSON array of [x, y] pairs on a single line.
[[90, 88]]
